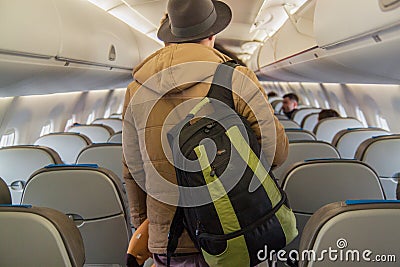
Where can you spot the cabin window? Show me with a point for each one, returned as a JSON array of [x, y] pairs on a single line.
[[107, 113], [48, 128], [316, 104], [324, 100], [70, 122], [90, 118], [341, 110], [361, 117], [120, 108], [382, 122], [8, 138]]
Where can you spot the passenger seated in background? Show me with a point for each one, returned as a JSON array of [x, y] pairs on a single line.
[[272, 94], [289, 104], [327, 113]]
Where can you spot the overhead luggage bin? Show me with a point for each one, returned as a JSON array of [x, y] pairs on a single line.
[[56, 41], [341, 21], [342, 42]]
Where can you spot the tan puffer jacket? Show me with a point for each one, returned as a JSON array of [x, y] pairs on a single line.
[[168, 78]]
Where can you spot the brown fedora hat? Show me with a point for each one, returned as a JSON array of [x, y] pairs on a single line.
[[190, 20]]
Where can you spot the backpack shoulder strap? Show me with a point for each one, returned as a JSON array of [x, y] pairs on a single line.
[[175, 231], [221, 87]]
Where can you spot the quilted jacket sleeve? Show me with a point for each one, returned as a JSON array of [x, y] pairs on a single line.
[[251, 102]]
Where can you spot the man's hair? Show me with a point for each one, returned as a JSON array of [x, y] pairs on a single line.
[[327, 113], [272, 93], [292, 97]]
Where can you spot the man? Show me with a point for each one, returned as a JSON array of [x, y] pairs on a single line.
[[165, 85], [289, 104]]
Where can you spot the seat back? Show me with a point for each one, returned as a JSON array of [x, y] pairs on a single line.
[[303, 150], [17, 163], [116, 116], [114, 123], [94, 199], [105, 155], [326, 129], [289, 124], [299, 114], [352, 228], [67, 145], [115, 138], [38, 236], [309, 121], [96, 133], [277, 105], [347, 141], [281, 116], [273, 98], [5, 196], [299, 135], [312, 184], [382, 154]]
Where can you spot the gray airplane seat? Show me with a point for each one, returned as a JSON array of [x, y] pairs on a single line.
[[277, 105], [382, 154], [17, 163], [299, 135], [326, 129], [114, 123], [281, 116], [314, 183], [347, 141], [289, 124], [106, 155], [94, 199], [303, 150], [39, 236], [5, 196], [115, 138], [309, 121], [116, 116], [299, 114], [67, 145], [97, 133], [364, 232]]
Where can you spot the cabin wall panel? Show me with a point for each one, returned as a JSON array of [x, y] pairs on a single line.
[[5, 104], [376, 101], [28, 114]]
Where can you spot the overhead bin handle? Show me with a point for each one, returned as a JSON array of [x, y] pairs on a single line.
[[387, 5], [112, 55]]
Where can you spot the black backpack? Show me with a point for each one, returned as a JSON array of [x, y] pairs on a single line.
[[241, 209]]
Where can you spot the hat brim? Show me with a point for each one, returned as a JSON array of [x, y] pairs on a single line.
[[224, 16]]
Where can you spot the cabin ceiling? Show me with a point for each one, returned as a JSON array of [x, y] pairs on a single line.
[[253, 21]]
